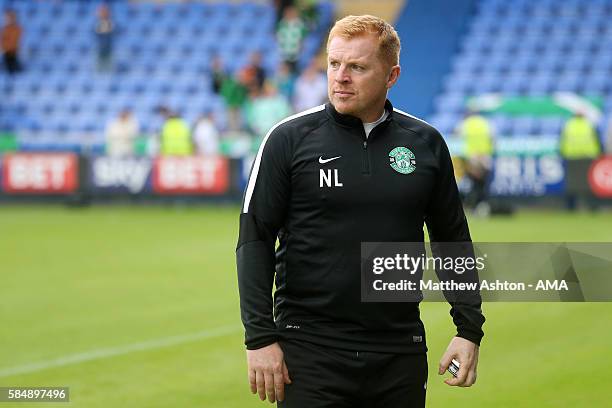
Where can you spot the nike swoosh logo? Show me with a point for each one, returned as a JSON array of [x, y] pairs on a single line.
[[323, 161]]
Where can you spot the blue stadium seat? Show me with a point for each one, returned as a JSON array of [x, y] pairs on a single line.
[[487, 84], [602, 61], [575, 62], [445, 123], [497, 62], [551, 126], [596, 83], [540, 85], [502, 124], [569, 82], [549, 62], [523, 63], [468, 63], [450, 103], [459, 82], [529, 44], [523, 126], [515, 84]]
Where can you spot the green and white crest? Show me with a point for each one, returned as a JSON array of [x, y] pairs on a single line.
[[402, 160]]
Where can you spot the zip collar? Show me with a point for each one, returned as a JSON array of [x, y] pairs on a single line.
[[352, 121]]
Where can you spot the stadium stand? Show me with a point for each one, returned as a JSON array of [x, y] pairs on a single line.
[[526, 48], [161, 56], [530, 48]]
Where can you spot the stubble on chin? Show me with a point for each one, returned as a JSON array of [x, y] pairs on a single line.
[[341, 106]]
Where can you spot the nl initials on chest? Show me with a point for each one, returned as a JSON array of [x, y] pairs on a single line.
[[328, 177]]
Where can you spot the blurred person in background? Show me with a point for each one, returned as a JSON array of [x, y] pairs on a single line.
[[234, 91], [10, 38], [105, 31], [309, 12], [310, 88], [285, 81], [175, 134], [578, 142], [121, 134], [477, 133], [280, 6], [266, 109], [206, 135], [254, 73], [579, 139], [290, 34], [217, 74]]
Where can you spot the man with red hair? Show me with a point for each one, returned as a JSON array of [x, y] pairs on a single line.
[[10, 37], [325, 180]]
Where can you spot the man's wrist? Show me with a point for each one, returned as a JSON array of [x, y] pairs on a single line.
[[471, 336], [261, 343]]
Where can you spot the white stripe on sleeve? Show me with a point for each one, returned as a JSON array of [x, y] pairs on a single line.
[[255, 171], [411, 116]]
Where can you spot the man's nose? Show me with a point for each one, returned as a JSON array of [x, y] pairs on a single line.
[[342, 75]]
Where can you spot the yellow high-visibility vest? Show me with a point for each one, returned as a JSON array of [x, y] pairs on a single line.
[[579, 140], [478, 136], [176, 138]]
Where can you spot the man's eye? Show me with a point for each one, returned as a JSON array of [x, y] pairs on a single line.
[[357, 67], [333, 64]]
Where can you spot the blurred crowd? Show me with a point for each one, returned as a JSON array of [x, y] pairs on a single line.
[[579, 140], [254, 98], [254, 103]]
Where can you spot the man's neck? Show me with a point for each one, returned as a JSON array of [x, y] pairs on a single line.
[[377, 119], [373, 117], [375, 113]]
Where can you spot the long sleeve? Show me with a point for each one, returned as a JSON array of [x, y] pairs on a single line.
[[446, 222], [263, 213]]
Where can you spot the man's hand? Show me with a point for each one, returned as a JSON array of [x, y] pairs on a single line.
[[268, 372], [466, 353]]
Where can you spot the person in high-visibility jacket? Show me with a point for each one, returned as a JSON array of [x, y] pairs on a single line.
[[578, 143], [579, 139], [477, 134], [175, 136]]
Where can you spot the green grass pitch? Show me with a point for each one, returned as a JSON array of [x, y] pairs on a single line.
[[138, 307]]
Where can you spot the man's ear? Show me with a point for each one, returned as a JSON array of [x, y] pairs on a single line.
[[393, 76]]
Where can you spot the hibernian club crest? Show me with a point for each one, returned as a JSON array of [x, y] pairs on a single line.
[[402, 160]]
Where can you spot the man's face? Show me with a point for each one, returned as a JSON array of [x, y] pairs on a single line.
[[10, 18], [357, 77]]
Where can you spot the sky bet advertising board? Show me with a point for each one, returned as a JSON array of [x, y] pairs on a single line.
[[191, 175], [129, 175], [162, 175], [40, 173]]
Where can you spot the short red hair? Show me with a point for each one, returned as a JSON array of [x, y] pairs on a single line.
[[353, 26]]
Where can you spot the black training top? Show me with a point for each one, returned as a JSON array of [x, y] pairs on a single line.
[[322, 188]]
